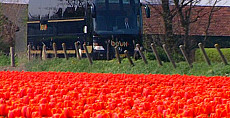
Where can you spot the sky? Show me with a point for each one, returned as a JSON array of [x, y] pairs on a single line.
[[15, 1], [203, 2], [221, 3]]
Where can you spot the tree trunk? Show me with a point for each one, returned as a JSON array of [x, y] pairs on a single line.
[[188, 43], [167, 16]]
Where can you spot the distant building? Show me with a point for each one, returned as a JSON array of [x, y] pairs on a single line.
[[219, 31]]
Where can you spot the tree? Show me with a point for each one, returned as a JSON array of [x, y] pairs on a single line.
[[10, 18], [185, 12], [210, 16], [189, 14]]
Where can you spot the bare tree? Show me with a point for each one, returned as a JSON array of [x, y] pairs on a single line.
[[167, 14], [9, 18], [210, 16], [185, 12], [189, 13]]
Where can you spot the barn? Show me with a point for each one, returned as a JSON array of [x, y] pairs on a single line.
[[218, 31]]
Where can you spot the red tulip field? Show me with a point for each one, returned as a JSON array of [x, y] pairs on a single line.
[[97, 95]]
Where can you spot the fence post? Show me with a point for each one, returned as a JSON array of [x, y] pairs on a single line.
[[117, 55], [204, 53], [12, 57], [29, 52], [44, 52], [135, 52], [107, 53], [156, 54], [65, 52], [87, 54], [39, 54], [142, 55], [127, 55], [77, 51], [55, 50], [221, 54], [169, 55], [185, 56]]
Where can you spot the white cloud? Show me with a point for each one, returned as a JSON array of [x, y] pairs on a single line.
[[15, 1], [211, 2], [202, 2]]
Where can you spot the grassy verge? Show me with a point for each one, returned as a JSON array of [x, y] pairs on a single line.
[[4, 60], [212, 54], [112, 66]]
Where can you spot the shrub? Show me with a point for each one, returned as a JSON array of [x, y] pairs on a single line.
[[212, 54], [4, 59], [176, 56], [161, 53]]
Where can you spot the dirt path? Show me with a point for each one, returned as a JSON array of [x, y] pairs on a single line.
[[9, 68]]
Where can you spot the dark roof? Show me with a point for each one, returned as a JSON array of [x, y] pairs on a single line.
[[220, 23]]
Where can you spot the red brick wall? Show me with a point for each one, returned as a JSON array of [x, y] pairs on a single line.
[[220, 23]]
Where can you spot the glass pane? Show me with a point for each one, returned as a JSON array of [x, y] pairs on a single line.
[[113, 1], [118, 18], [70, 27], [55, 9], [126, 1], [100, 1]]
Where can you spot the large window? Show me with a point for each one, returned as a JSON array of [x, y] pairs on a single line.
[[56, 9], [56, 28], [117, 17]]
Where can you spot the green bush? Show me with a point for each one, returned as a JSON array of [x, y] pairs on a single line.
[[4, 59], [161, 53], [212, 54], [176, 56]]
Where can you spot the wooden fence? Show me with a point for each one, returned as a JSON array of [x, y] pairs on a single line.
[[88, 49]]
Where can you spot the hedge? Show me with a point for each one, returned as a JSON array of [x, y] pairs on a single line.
[[212, 54]]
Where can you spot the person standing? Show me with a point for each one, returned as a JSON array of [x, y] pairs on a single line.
[[127, 23]]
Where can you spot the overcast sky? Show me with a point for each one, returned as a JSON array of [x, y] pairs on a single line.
[[203, 2]]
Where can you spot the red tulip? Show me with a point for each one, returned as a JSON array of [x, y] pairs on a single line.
[[3, 110], [43, 109], [11, 114], [87, 113], [56, 116], [35, 114], [68, 112]]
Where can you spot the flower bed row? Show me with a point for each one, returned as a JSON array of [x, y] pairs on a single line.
[[83, 95]]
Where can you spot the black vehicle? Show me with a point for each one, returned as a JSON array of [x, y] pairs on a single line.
[[96, 23]]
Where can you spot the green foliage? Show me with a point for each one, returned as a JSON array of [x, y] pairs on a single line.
[[4, 47], [4, 59], [112, 66], [177, 57], [212, 54], [161, 53]]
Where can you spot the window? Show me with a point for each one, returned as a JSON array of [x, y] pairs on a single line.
[[126, 1], [113, 1], [100, 1]]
